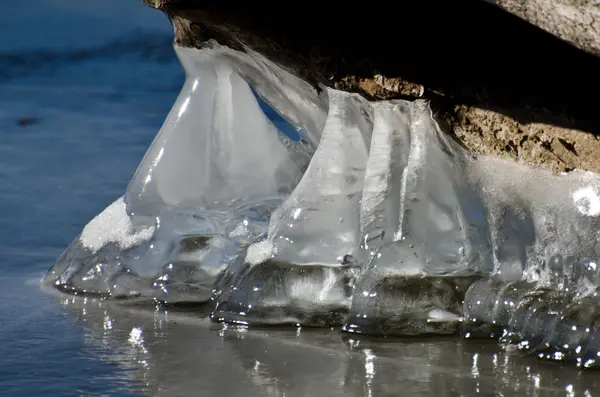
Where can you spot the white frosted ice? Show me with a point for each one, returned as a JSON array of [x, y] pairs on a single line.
[[541, 224], [113, 226], [587, 201], [259, 252], [322, 293]]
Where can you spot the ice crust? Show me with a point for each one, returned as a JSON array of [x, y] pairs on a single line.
[[113, 225], [375, 219]]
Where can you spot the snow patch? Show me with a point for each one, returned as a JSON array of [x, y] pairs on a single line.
[[113, 226]]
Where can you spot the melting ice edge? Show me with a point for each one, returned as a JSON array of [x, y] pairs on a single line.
[[373, 220]]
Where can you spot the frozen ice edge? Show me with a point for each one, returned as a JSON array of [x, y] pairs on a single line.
[[419, 205]]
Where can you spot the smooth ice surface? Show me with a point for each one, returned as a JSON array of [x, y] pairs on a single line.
[[203, 192], [381, 199], [215, 147], [374, 218], [442, 221], [318, 223]]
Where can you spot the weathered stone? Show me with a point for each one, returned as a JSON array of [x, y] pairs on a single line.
[[498, 84], [576, 21]]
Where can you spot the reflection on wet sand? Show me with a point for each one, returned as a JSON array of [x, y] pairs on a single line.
[[181, 354]]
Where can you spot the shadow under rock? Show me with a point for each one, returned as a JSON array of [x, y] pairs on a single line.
[[468, 52]]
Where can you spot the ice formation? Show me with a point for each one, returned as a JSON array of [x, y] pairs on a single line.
[[113, 225], [373, 220]]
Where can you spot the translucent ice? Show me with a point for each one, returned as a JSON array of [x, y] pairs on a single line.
[[545, 239], [203, 192], [371, 218], [442, 220], [439, 243], [212, 154], [324, 205], [316, 226], [552, 324], [388, 157]]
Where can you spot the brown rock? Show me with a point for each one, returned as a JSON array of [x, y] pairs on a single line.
[[498, 84]]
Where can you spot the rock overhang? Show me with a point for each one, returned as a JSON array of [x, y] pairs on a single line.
[[499, 84]]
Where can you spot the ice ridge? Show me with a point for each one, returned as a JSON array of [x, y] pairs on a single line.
[[374, 219]]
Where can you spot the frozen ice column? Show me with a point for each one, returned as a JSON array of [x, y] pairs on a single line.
[[215, 146], [314, 234], [216, 153], [415, 283], [388, 157], [318, 223], [202, 193], [443, 225]]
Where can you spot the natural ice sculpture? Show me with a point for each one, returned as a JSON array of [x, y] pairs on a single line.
[[441, 232], [388, 156], [387, 227], [203, 192], [542, 295], [324, 205], [316, 227], [215, 153]]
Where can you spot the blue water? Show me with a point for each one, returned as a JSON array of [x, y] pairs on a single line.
[[84, 87], [92, 86]]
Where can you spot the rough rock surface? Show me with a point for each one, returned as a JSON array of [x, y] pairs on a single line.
[[497, 83], [576, 21]]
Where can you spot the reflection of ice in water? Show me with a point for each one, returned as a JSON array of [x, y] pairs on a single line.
[[184, 355], [388, 212]]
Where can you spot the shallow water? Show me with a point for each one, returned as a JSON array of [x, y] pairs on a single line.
[[75, 122]]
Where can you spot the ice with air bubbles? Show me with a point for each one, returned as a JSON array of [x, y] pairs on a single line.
[[345, 212]]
